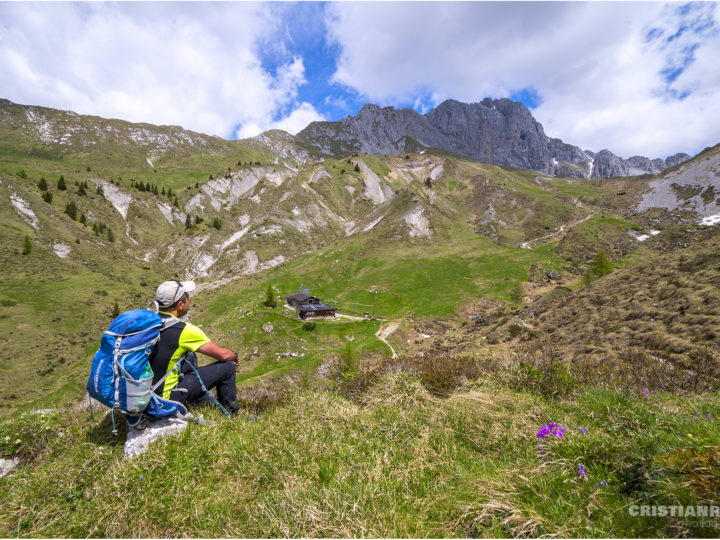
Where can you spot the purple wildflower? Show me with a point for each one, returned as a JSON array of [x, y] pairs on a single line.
[[553, 428], [601, 484], [708, 415], [646, 393], [697, 413], [582, 430], [581, 470]]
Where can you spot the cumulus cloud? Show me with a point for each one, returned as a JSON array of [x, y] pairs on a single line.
[[607, 74], [190, 64]]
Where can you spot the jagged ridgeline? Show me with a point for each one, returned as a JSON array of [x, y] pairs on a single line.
[[514, 285]]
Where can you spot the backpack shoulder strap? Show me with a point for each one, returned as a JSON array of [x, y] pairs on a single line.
[[167, 323]]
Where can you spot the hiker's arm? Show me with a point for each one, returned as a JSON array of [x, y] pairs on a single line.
[[218, 353]]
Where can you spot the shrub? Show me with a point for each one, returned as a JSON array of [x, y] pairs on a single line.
[[47, 197], [599, 267], [260, 398], [217, 223], [27, 246], [348, 362], [100, 191], [541, 369], [308, 326], [441, 375], [42, 184], [188, 221], [517, 293]]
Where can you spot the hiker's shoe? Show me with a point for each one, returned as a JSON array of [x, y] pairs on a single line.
[[233, 408], [137, 422]]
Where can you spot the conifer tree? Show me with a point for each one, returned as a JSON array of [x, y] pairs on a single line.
[[163, 191], [81, 190], [175, 203], [111, 236], [83, 219], [188, 221], [71, 209], [100, 191], [42, 184], [27, 246], [47, 197], [61, 184], [217, 223], [270, 297]]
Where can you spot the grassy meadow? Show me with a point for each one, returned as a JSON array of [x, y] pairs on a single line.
[[338, 438]]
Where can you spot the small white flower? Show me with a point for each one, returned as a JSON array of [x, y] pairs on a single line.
[[17, 441]]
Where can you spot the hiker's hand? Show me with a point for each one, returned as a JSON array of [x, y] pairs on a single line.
[[235, 358]]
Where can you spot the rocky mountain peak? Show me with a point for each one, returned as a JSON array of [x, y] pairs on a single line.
[[497, 131]]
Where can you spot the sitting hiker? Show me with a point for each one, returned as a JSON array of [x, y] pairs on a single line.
[[184, 338]]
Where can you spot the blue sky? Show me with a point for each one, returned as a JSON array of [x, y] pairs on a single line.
[[636, 78]]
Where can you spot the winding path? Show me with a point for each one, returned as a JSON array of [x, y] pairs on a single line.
[[553, 235], [385, 331]]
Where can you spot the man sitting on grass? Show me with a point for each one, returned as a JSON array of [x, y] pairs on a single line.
[[183, 338]]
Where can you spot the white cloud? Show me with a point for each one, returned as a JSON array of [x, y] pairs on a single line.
[[298, 119], [599, 80], [190, 64]]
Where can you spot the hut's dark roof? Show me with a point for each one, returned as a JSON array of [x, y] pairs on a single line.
[[317, 307], [300, 297]]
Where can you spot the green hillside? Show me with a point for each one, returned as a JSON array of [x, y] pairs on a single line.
[[511, 299]]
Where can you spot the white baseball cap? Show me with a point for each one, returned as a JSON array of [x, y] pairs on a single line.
[[170, 292]]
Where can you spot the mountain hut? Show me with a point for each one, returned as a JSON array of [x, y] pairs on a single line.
[[309, 311], [300, 299]]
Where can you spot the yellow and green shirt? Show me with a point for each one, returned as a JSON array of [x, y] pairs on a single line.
[[175, 341]]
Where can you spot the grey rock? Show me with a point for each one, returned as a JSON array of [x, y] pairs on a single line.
[[7, 465], [553, 274], [501, 131]]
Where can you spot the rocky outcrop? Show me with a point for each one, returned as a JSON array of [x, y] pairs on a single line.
[[502, 132], [608, 164], [66, 132]]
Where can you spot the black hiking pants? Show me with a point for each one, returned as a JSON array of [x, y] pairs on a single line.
[[219, 375]]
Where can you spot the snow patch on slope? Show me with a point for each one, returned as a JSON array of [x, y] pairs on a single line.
[[23, 208], [418, 223], [61, 250], [118, 198], [710, 220]]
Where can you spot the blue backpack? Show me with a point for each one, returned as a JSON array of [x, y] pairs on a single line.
[[121, 376]]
